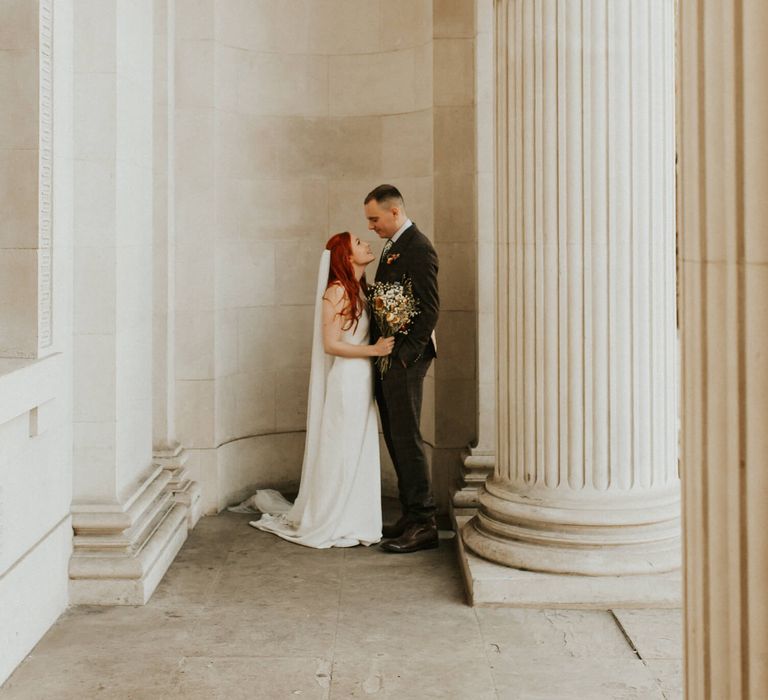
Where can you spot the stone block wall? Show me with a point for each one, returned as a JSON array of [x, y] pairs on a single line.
[[287, 115], [35, 321]]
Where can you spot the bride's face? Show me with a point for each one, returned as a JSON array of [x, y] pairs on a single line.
[[361, 252]]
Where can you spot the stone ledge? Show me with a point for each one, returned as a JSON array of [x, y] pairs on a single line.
[[25, 384], [491, 584]]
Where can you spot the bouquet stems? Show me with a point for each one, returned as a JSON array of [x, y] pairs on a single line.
[[383, 363]]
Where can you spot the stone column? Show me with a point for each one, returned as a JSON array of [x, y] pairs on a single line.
[[478, 459], [167, 450], [128, 527], [586, 477], [194, 227], [723, 227]]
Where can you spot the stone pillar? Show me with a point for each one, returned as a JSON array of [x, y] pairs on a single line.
[[167, 450], [453, 381], [478, 459], [128, 527], [586, 477], [723, 226], [194, 232]]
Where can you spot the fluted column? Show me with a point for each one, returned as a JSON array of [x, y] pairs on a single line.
[[724, 319], [586, 477]]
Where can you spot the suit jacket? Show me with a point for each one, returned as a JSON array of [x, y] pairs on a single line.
[[414, 256]]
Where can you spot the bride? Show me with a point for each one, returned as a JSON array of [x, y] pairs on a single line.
[[339, 502]]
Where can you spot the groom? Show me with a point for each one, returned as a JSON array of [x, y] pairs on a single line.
[[407, 252]]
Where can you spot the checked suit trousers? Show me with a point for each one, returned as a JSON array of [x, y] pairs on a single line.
[[399, 395]]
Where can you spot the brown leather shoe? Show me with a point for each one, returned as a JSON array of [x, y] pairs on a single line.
[[417, 536], [389, 532]]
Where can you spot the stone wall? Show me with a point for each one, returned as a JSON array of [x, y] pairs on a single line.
[[35, 286], [287, 115], [21, 55]]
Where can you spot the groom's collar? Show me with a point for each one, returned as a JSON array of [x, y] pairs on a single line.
[[408, 223]]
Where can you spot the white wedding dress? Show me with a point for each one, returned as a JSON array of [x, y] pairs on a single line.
[[339, 500]]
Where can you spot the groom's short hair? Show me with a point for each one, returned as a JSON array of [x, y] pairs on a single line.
[[386, 194]]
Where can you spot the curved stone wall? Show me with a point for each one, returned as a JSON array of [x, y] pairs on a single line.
[[308, 105]]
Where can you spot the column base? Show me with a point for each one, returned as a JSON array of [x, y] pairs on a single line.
[[122, 553], [491, 584], [567, 531], [185, 491], [477, 466]]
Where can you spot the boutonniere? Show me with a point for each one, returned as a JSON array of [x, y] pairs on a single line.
[[392, 258]]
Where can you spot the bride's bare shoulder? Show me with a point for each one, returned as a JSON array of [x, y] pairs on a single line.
[[335, 293]]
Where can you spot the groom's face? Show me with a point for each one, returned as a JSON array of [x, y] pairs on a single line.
[[382, 219]]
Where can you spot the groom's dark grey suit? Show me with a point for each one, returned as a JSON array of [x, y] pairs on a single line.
[[399, 393]]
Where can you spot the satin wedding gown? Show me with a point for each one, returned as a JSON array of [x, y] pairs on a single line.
[[339, 500]]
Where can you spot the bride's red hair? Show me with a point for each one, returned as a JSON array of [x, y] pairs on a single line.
[[343, 273]]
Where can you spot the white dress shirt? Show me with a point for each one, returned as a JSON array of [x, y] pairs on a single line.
[[399, 231]]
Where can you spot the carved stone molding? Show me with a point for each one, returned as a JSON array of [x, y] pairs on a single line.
[[185, 491], [122, 551], [476, 466], [45, 179]]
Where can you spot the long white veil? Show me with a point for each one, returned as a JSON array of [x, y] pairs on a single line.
[[270, 500], [318, 377]]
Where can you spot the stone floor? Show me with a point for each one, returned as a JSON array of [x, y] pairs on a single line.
[[242, 614]]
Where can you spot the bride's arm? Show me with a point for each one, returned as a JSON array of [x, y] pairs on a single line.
[[334, 302]]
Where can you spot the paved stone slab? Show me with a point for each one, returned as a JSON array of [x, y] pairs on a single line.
[[669, 676], [235, 678], [577, 678], [525, 633], [410, 677], [243, 614], [656, 634]]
